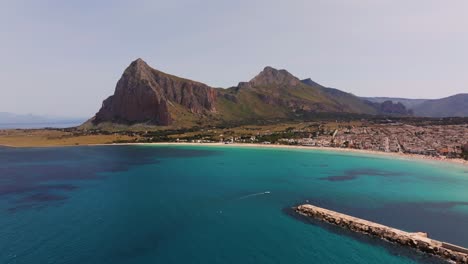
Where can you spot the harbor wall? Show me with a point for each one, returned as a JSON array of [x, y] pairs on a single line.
[[418, 241]]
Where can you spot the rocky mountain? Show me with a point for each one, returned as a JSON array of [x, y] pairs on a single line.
[[145, 95], [272, 76], [279, 94]]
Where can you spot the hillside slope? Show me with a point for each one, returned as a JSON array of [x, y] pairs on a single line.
[[452, 106], [456, 105]]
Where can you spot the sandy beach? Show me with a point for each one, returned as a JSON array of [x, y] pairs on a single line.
[[251, 145], [359, 151]]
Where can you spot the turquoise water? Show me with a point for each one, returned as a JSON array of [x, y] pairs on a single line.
[[203, 204]]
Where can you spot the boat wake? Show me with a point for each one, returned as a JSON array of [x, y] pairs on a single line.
[[254, 194]]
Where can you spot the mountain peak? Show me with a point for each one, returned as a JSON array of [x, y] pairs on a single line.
[[139, 69], [139, 64], [270, 75], [269, 68]]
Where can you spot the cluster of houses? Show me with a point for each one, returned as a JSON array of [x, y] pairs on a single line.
[[449, 141], [431, 140]]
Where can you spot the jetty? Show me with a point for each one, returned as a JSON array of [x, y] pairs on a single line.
[[419, 241]]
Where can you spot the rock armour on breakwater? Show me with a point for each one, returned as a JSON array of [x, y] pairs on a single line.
[[418, 241]]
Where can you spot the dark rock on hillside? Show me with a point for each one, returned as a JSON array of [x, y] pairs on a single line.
[[144, 94], [394, 108], [408, 103], [390, 108]]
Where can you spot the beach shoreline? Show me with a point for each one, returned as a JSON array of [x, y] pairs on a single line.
[[403, 156], [346, 150]]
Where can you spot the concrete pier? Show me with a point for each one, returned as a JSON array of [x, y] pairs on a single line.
[[418, 241]]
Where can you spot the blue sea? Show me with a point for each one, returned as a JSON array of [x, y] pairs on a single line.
[[217, 204]]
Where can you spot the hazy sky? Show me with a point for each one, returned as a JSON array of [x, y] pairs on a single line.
[[64, 57]]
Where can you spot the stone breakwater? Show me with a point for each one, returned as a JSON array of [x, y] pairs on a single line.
[[418, 241]]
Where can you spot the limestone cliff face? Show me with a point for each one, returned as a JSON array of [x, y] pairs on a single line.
[[145, 95]]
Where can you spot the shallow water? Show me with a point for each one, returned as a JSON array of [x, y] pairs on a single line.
[[206, 204]]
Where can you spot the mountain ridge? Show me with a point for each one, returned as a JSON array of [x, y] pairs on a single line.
[[450, 106], [146, 95]]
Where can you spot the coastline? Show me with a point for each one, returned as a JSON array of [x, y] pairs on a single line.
[[347, 150], [403, 156]]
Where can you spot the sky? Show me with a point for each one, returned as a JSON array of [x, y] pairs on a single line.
[[63, 58]]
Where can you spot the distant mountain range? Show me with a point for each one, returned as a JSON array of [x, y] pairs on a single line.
[[456, 105], [146, 95], [11, 120]]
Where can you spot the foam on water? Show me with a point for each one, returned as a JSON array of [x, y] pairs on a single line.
[[254, 194]]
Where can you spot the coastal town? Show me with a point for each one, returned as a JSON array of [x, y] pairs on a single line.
[[446, 139], [429, 139]]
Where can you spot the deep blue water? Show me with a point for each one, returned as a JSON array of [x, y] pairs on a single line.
[[202, 204]]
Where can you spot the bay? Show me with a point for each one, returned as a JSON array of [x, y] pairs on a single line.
[[223, 204]]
